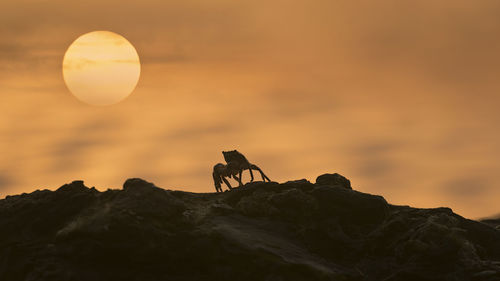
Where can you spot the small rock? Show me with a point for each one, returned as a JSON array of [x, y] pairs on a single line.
[[137, 184], [333, 180], [73, 186]]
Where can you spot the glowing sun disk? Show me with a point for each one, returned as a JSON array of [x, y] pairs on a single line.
[[101, 68]]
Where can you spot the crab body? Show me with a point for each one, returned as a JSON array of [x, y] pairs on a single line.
[[236, 164]]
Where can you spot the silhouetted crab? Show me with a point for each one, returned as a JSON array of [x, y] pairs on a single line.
[[236, 164]]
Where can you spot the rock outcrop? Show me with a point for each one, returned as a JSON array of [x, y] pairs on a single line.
[[262, 231]]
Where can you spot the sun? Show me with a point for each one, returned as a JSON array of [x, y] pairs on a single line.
[[101, 68]]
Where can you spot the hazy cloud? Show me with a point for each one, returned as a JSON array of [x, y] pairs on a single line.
[[469, 186], [368, 148], [6, 181], [375, 167], [384, 91], [72, 150], [197, 132]]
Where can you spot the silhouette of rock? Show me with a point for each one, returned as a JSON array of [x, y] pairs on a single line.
[[137, 184], [262, 231], [334, 180], [495, 221], [75, 186]]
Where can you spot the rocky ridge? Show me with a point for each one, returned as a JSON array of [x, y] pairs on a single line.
[[295, 230]]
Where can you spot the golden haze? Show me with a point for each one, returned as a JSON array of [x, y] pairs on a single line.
[[401, 97]]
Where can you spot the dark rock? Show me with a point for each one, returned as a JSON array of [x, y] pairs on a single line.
[[297, 183], [494, 222], [136, 184], [350, 206], [257, 204], [261, 231], [294, 203], [333, 180], [75, 186], [221, 208], [486, 274]]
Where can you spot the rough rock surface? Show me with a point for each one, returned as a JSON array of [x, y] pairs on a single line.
[[262, 231], [333, 180], [495, 222]]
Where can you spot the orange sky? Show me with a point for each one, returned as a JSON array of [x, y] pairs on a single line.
[[400, 97]]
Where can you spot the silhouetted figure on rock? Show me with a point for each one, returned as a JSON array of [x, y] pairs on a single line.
[[241, 163], [220, 173], [236, 164]]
